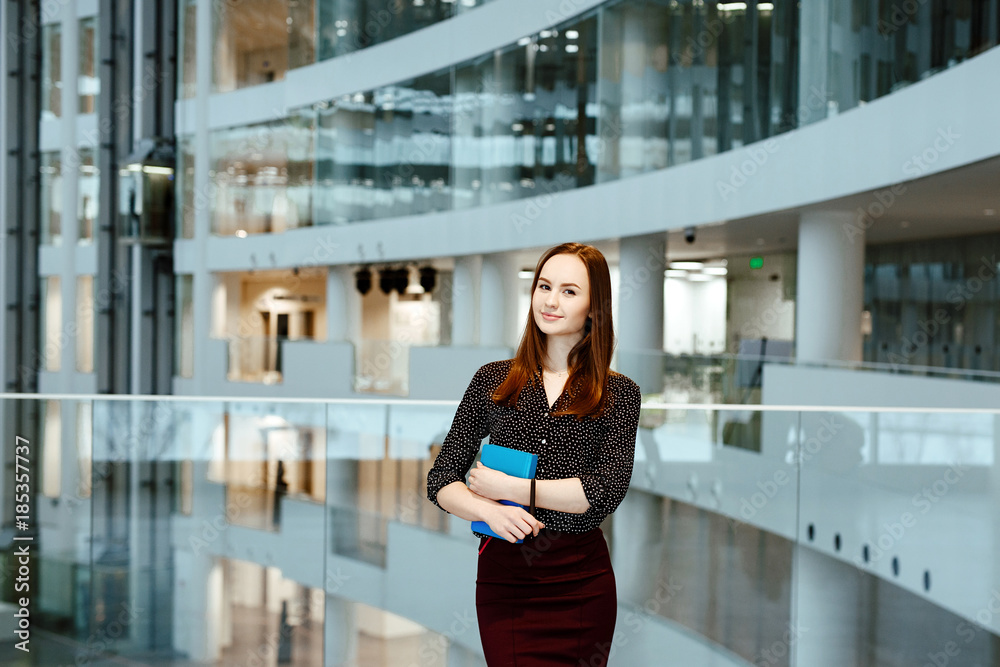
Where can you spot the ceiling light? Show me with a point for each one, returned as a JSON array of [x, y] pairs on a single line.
[[524, 41], [572, 48], [699, 277], [572, 34], [715, 270], [525, 274], [675, 273], [689, 266]]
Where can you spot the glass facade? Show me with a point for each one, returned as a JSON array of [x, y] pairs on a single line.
[[88, 83], [51, 71], [877, 47], [631, 87], [85, 324], [259, 41], [184, 209], [262, 177], [187, 31], [50, 325], [934, 303], [51, 197], [88, 195], [250, 44], [184, 336]]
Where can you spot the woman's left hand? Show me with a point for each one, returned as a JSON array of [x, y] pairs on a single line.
[[489, 483]]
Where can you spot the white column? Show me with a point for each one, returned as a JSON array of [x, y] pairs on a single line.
[[642, 262], [343, 304], [830, 287], [340, 632], [824, 628], [465, 292], [498, 301], [635, 544]]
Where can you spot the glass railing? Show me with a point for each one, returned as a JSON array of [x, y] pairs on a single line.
[[292, 33], [255, 359], [203, 531], [738, 378]]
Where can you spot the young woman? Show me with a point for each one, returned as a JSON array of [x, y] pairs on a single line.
[[550, 600]]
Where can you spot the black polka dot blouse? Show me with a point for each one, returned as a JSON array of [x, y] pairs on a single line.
[[600, 451]]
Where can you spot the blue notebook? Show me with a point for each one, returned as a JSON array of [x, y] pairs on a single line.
[[511, 461]]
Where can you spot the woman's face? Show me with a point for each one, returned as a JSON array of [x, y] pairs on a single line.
[[564, 290]]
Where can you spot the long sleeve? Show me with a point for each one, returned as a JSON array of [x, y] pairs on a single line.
[[606, 484], [460, 446]]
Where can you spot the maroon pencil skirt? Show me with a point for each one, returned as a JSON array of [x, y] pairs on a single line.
[[549, 601]]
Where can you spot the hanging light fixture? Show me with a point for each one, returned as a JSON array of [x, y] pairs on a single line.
[[363, 280], [428, 278]]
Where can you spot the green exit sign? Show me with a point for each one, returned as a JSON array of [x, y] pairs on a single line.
[[756, 262]]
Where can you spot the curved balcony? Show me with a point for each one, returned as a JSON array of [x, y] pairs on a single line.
[[823, 536], [611, 93]]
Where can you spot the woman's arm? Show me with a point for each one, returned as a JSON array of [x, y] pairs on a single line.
[[562, 495], [457, 499]]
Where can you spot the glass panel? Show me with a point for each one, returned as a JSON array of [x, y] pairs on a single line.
[[174, 524], [302, 32], [185, 199], [345, 26], [51, 198], [85, 324], [51, 71], [263, 177], [184, 352], [874, 52], [51, 323], [888, 494], [934, 305], [188, 36], [52, 450], [88, 82], [251, 42], [88, 195]]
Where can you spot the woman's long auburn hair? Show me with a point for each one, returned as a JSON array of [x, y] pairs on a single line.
[[589, 361]]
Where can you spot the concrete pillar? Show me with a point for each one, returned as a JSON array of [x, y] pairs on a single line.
[[635, 544], [465, 292], [343, 304], [340, 646], [830, 287], [499, 321], [825, 631], [642, 262]]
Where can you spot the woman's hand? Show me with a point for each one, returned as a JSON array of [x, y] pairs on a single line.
[[489, 483], [512, 523]]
